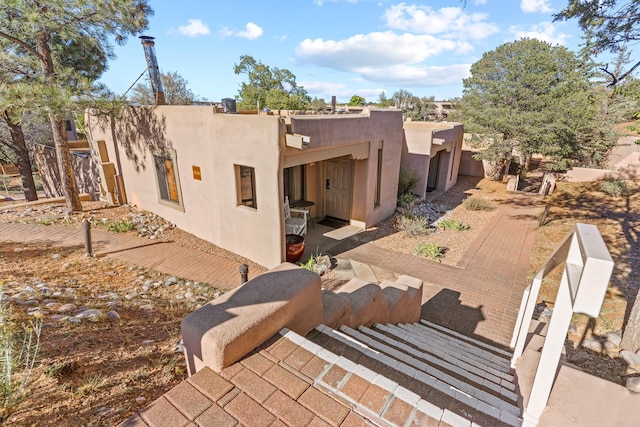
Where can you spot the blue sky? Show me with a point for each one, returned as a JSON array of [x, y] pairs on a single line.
[[336, 47]]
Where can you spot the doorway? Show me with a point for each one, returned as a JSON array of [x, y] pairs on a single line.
[[338, 174], [434, 172]]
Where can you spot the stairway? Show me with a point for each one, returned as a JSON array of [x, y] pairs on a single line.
[[415, 374]]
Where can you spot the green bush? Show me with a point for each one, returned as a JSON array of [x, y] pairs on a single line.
[[429, 250], [412, 225], [121, 226], [406, 181], [615, 187], [477, 204], [405, 198], [453, 224]]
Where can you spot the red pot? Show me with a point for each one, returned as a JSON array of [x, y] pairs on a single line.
[[295, 247]]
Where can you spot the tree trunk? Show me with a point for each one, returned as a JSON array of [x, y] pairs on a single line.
[[631, 334], [22, 154], [63, 155], [65, 165]]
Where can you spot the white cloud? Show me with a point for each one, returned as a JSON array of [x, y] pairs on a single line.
[[545, 31], [420, 75], [533, 6], [449, 22], [251, 32], [480, 2], [195, 28], [374, 50]]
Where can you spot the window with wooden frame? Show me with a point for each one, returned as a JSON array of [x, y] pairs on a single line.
[[246, 186], [168, 180]]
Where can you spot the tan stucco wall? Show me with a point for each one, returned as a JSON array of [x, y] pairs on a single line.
[[419, 148], [359, 135], [216, 142]]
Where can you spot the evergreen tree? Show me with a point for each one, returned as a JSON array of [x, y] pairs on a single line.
[[175, 88], [38, 31], [268, 87], [536, 98]]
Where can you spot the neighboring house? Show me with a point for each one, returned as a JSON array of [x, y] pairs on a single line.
[[433, 152], [224, 177]]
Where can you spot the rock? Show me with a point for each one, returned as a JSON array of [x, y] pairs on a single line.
[[140, 400], [28, 303], [179, 348], [58, 317], [113, 316], [632, 359], [580, 357], [29, 289], [147, 342], [614, 337], [171, 281], [573, 329], [74, 320], [323, 264], [188, 295], [546, 314], [65, 308], [180, 296], [147, 307], [610, 345], [56, 256], [592, 344], [90, 313], [633, 384]]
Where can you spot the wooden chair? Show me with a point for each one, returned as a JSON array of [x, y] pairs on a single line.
[[294, 225]]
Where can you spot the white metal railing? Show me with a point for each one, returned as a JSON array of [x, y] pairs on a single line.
[[584, 282]]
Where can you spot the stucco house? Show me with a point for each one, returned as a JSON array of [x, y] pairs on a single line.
[[432, 151], [224, 176]]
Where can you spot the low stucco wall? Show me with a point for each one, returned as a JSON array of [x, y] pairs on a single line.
[[588, 175]]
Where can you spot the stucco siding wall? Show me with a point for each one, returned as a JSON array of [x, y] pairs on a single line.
[[330, 133], [214, 143]]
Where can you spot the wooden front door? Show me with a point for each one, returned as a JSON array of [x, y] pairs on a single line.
[[337, 187]]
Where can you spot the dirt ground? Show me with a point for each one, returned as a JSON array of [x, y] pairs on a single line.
[[100, 370]]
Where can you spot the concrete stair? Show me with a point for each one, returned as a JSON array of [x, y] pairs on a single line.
[[415, 374], [360, 302]]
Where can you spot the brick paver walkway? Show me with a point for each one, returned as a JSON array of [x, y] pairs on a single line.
[[165, 257], [481, 296]]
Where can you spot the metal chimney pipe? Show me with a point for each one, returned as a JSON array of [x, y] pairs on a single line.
[[154, 72]]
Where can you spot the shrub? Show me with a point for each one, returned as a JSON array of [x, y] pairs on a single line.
[[121, 226], [406, 181], [412, 225], [615, 187], [477, 204], [19, 345], [429, 250], [405, 198], [453, 224]]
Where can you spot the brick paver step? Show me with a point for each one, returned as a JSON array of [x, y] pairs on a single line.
[[450, 345], [375, 388], [453, 377], [439, 350]]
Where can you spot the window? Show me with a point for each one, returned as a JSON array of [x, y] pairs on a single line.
[[167, 178], [67, 126], [246, 184], [376, 197], [295, 183]]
